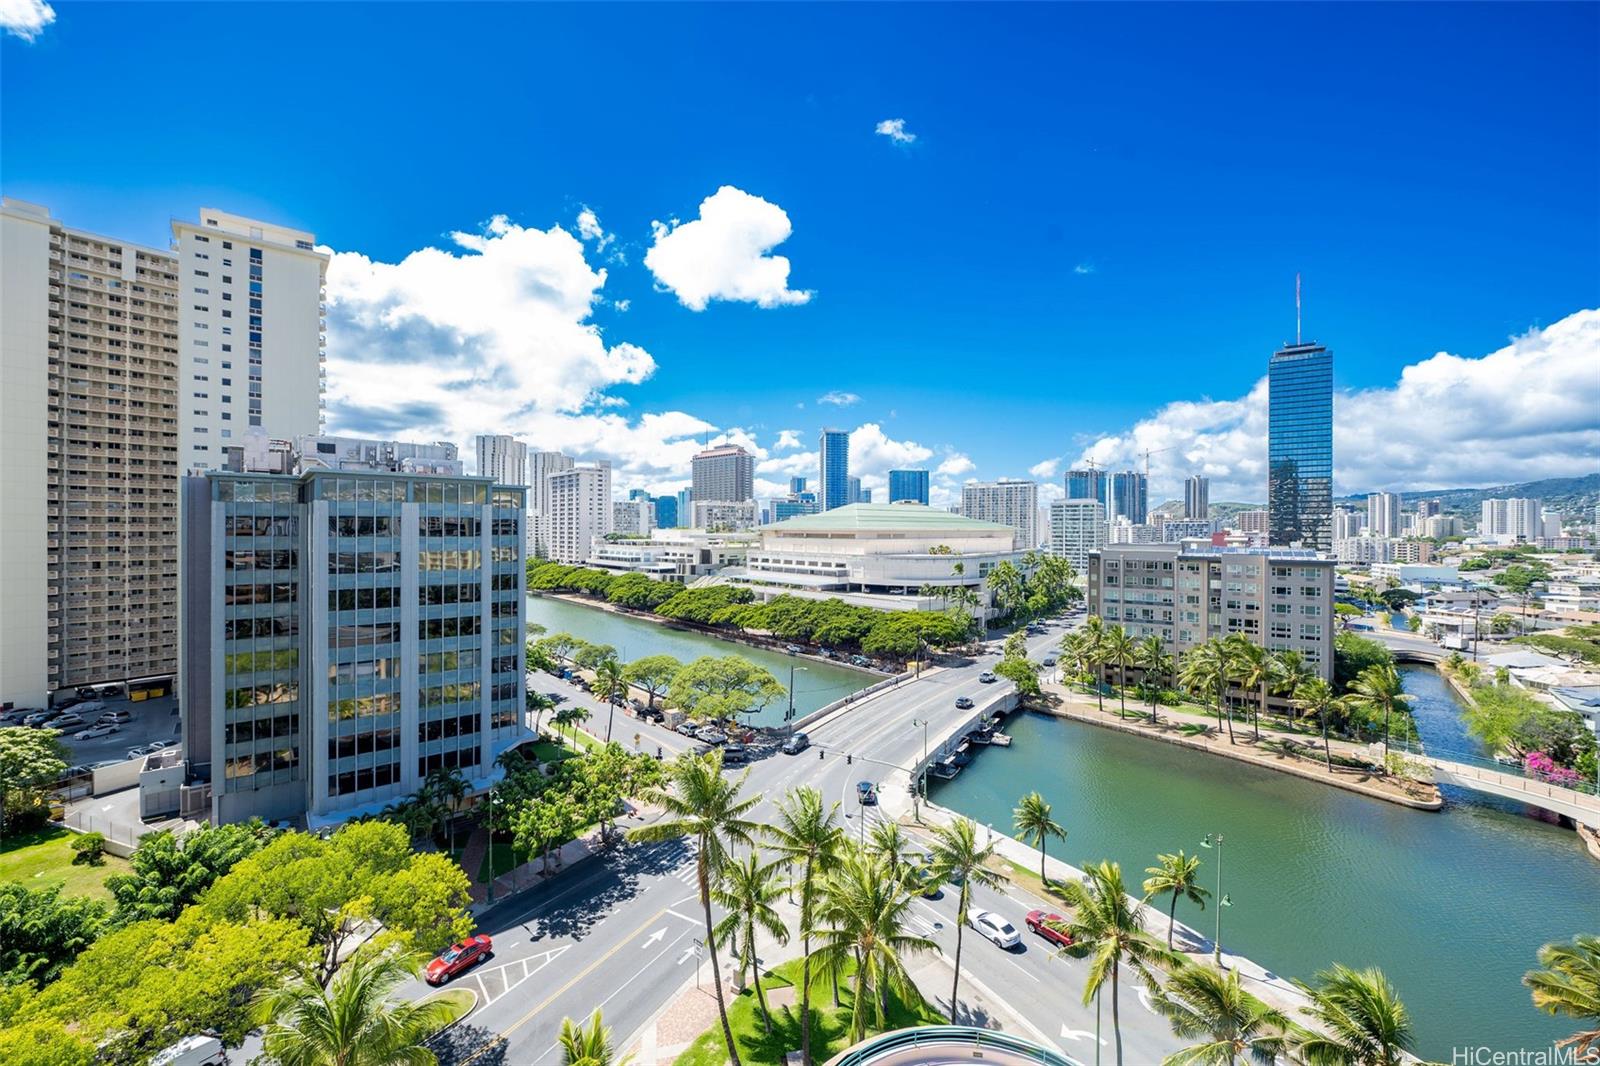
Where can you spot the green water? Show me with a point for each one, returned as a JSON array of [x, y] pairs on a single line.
[[1451, 906], [816, 684]]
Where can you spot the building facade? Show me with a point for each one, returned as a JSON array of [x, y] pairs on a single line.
[[1077, 528], [679, 555], [666, 512], [635, 517], [725, 516], [1128, 496], [1512, 519], [503, 460], [1008, 503], [251, 333], [1300, 447], [833, 453], [580, 510], [346, 633], [1086, 485], [726, 472], [89, 431], [1177, 531], [908, 486], [1252, 522], [1383, 514], [1197, 497]]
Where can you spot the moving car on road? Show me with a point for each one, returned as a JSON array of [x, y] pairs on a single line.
[[996, 928], [1041, 921], [866, 793], [796, 743], [964, 702], [459, 958], [986, 678]]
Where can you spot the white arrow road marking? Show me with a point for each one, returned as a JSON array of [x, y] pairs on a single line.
[[688, 953], [1144, 998], [655, 937], [1079, 1034]]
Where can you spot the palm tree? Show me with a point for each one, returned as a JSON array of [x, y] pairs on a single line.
[[538, 703], [1362, 1020], [1032, 819], [609, 685], [1290, 671], [957, 859], [1570, 984], [746, 891], [1151, 657], [572, 714], [1208, 1005], [1093, 641], [865, 917], [1205, 671], [1106, 927], [588, 1045], [1251, 667], [1120, 651], [1075, 646], [806, 834], [1378, 688], [1178, 874], [353, 1021], [1315, 696], [445, 789], [701, 804], [888, 842]]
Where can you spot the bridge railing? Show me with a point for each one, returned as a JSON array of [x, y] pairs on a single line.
[[1479, 761]]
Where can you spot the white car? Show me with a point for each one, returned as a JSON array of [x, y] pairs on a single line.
[[96, 731], [996, 928]]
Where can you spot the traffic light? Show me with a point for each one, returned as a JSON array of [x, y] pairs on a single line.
[[658, 752], [821, 754], [849, 759]]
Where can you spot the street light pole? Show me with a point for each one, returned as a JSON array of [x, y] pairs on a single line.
[[1222, 901], [921, 780], [492, 799], [788, 717]]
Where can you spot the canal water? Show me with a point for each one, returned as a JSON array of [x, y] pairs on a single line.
[[1452, 906], [816, 684]]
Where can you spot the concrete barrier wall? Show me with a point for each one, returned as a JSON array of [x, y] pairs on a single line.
[[854, 697], [117, 776]]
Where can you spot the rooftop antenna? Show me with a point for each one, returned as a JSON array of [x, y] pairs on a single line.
[[1297, 309]]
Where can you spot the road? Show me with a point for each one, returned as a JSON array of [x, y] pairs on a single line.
[[619, 931]]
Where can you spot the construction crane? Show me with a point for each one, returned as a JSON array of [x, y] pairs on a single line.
[[1148, 452]]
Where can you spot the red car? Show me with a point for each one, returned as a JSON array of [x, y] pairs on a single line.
[[460, 957], [1036, 922]]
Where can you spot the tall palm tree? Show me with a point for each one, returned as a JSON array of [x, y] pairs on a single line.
[[1075, 646], [1106, 928], [888, 842], [609, 685], [1151, 657], [1209, 1005], [958, 859], [1570, 984], [353, 1021], [746, 891], [1093, 641], [1362, 1020], [446, 788], [538, 703], [1032, 819], [1251, 666], [1289, 671], [1180, 875], [865, 917], [588, 1045], [1378, 688], [1121, 651], [1315, 696], [705, 806], [806, 835], [1205, 672]]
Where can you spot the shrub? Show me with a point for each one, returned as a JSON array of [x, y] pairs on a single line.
[[89, 849]]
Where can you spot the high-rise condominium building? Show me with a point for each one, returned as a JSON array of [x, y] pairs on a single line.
[[725, 516], [1086, 485], [1383, 514], [251, 333], [1428, 508], [1197, 497], [726, 472], [1127, 496], [89, 421], [636, 517], [1252, 521], [1077, 527], [666, 512], [540, 466], [834, 459], [503, 459], [346, 632], [1347, 524], [1513, 518], [580, 510], [1300, 446], [797, 485], [908, 485], [685, 508], [1010, 503], [854, 489], [794, 505]]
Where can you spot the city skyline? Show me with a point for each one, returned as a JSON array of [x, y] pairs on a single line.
[[430, 336]]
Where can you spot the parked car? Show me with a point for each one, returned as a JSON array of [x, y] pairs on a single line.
[[459, 958], [87, 692], [162, 745], [986, 677], [70, 701], [96, 731], [111, 691], [1049, 660], [964, 702], [140, 752], [1036, 922], [995, 928], [651, 714], [792, 649], [711, 736], [200, 1050], [89, 708], [859, 660], [922, 878], [688, 729], [734, 753], [81, 770], [39, 718], [866, 793], [796, 743], [67, 722], [115, 717]]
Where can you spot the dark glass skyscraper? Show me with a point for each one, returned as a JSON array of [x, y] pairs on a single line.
[[834, 458], [1128, 496], [1300, 447], [1086, 485]]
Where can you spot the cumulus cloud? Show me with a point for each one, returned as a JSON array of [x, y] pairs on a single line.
[[787, 438], [1523, 412], [1046, 468], [589, 229], [895, 130], [1083, 268], [838, 398], [954, 465], [25, 18], [722, 255]]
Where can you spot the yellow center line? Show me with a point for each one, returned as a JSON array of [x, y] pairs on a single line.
[[558, 993]]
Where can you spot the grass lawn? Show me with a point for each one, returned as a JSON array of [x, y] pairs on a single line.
[[43, 858], [505, 856], [546, 752], [460, 1000], [830, 1026]]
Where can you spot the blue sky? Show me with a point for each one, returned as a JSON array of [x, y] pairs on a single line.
[[1101, 215]]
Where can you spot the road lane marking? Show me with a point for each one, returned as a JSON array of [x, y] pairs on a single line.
[[685, 917], [655, 937]]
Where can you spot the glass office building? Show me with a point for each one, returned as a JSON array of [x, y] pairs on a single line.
[[908, 485], [1300, 447], [834, 452], [1086, 485]]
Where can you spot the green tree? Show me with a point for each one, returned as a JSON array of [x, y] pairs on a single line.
[[169, 870], [610, 685], [1378, 690], [1120, 651], [866, 919], [571, 714], [588, 1045], [546, 821], [1361, 1020], [1519, 581], [1033, 820], [958, 859], [1092, 641], [42, 931], [1251, 666], [538, 703], [1315, 696], [590, 656], [1008, 587], [887, 841], [723, 687], [1211, 1006], [1569, 984], [1021, 673], [443, 791], [31, 760], [1289, 671], [353, 1021], [1352, 655], [746, 891], [1106, 928], [1204, 672], [653, 673], [806, 834], [701, 804], [1152, 658], [1178, 875], [1502, 623]]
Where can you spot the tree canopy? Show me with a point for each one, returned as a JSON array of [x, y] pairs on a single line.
[[722, 687], [170, 870]]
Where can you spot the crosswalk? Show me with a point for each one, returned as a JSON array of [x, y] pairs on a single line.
[[496, 981]]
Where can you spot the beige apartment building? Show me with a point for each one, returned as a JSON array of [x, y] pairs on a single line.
[[88, 457]]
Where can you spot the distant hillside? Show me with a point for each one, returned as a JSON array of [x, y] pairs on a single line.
[[1220, 512], [1572, 496]]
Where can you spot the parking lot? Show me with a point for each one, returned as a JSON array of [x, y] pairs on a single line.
[[150, 720]]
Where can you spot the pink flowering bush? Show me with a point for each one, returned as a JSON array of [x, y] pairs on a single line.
[[1544, 768]]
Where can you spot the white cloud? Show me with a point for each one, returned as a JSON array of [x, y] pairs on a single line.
[[838, 398], [954, 465], [1083, 268], [25, 18], [895, 130], [1046, 468], [787, 438], [722, 255], [1523, 412], [622, 305]]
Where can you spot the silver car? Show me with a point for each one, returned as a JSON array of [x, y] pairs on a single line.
[[995, 928]]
